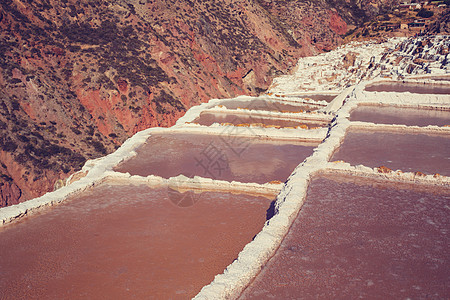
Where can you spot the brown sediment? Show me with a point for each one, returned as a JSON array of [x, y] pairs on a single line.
[[119, 242], [208, 119], [317, 97], [359, 238], [260, 104], [384, 169]]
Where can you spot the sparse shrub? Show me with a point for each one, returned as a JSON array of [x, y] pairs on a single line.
[[90, 130], [9, 146], [23, 138], [98, 146], [75, 130], [423, 13], [15, 104], [15, 80], [37, 134]]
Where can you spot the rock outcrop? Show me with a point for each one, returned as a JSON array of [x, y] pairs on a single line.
[[9, 191], [441, 25]]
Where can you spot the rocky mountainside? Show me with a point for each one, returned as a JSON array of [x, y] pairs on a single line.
[[441, 25], [359, 11], [386, 19], [78, 77]]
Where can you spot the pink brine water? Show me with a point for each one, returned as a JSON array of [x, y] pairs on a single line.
[[267, 105], [223, 157], [400, 115], [357, 238], [428, 154], [402, 87], [127, 242], [318, 97]]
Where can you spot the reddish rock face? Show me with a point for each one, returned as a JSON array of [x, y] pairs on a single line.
[[77, 78], [9, 191], [122, 85], [337, 24]]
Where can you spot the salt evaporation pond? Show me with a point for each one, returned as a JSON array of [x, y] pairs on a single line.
[[126, 242], [400, 115], [439, 78], [319, 97], [359, 238], [221, 157], [424, 153], [402, 87], [266, 105], [207, 119]]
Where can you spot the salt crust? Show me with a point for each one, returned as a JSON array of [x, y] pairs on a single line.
[[298, 99], [430, 129], [394, 175], [197, 183], [270, 134]]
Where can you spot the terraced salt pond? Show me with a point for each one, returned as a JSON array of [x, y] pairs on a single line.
[[402, 87], [318, 97], [443, 78], [356, 237], [209, 118], [266, 105], [221, 157], [127, 241], [425, 153], [400, 115]]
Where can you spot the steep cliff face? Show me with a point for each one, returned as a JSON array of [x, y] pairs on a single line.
[[78, 77], [9, 191]]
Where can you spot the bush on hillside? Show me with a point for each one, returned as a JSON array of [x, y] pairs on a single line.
[[423, 13]]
